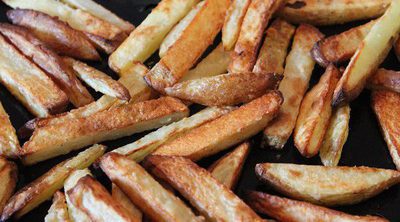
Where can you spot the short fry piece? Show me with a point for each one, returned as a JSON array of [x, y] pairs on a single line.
[[126, 203], [9, 177], [9, 144], [233, 22], [58, 211], [330, 186], [385, 79]]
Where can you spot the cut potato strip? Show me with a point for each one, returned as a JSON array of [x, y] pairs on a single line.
[[126, 203], [233, 22], [385, 79], [58, 211], [9, 144], [9, 177]]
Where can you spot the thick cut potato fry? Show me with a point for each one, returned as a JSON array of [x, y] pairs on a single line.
[[297, 74], [226, 131], [126, 203], [284, 209], [58, 211], [273, 53], [59, 139], [57, 34], [233, 22], [370, 54], [144, 191], [315, 113], [45, 186], [9, 176], [335, 136], [196, 37], [331, 12], [385, 79], [324, 185], [227, 169], [139, 149], [9, 144], [212, 199]]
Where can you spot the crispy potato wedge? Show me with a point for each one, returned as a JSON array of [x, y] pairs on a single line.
[[139, 149], [315, 113], [233, 22], [196, 37], [59, 139], [273, 53], [46, 185], [324, 185], [226, 131], [227, 169], [385, 79], [58, 211], [125, 202], [212, 199], [328, 12], [225, 90], [258, 14], [284, 209], [148, 36], [335, 137], [55, 33], [144, 190], [297, 74], [9, 177], [9, 144], [370, 54]]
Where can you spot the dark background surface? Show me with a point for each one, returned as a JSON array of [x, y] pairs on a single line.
[[365, 145]]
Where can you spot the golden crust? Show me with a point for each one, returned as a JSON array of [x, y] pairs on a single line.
[[58, 211], [9, 177], [126, 203], [233, 22], [9, 144], [385, 79]]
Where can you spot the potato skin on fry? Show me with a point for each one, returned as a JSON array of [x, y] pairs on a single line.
[[385, 79]]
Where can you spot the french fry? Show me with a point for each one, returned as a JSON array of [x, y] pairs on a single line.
[[225, 90], [9, 144], [330, 186], [227, 169], [226, 131], [144, 191], [46, 185], [370, 54], [298, 70], [126, 203], [273, 53], [59, 139], [9, 176], [315, 113], [385, 79], [255, 21], [284, 209], [319, 13], [196, 37], [58, 211], [70, 42], [212, 199], [233, 22], [335, 136], [139, 149]]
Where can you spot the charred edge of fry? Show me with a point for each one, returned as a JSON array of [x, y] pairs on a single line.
[[318, 56]]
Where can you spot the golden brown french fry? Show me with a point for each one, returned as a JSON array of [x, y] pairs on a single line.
[[335, 136], [227, 169], [126, 203], [233, 22], [273, 53], [9, 176], [385, 79], [144, 191], [58, 35], [284, 209], [324, 185], [58, 211], [9, 144], [298, 70], [46, 185], [226, 131], [370, 54], [197, 36], [327, 12], [212, 199], [255, 21], [315, 113]]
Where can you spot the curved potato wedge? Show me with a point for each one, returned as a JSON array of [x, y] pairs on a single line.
[[233, 22], [126, 203], [330, 186], [9, 144], [385, 79], [9, 177], [58, 211]]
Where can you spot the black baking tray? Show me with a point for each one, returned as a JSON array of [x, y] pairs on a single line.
[[365, 145]]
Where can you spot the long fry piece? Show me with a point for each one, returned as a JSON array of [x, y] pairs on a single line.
[[233, 22], [9, 144]]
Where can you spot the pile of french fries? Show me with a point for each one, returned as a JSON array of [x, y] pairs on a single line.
[[255, 80]]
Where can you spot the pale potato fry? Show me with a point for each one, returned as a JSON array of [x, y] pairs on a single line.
[[328, 12], [315, 113], [147, 37], [46, 185], [212, 199], [57, 34], [369, 55], [385, 79], [233, 22], [144, 191], [139, 149], [284, 209], [226, 131], [58, 211], [58, 139], [9, 177], [227, 169], [9, 144], [196, 37], [271, 58], [225, 90], [297, 74], [335, 136], [126, 203], [330, 186]]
